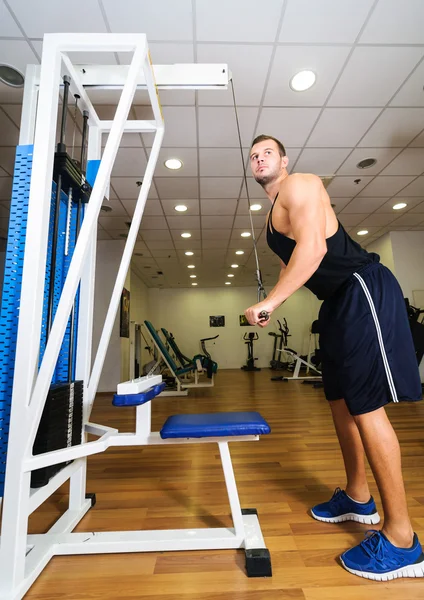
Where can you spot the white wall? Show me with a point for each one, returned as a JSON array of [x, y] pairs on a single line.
[[139, 310], [383, 247], [109, 253], [408, 253], [186, 314]]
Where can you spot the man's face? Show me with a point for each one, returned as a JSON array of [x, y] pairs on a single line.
[[266, 162]]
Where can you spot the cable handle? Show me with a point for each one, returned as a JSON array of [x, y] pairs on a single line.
[[263, 315]]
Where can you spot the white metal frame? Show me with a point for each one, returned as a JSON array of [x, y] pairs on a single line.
[[23, 557], [297, 365]]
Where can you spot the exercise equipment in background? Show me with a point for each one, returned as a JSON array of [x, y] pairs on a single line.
[[250, 363]]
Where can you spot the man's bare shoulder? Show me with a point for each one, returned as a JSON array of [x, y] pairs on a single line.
[[299, 184]]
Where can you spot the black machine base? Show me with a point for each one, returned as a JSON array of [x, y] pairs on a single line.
[[249, 368], [258, 562]]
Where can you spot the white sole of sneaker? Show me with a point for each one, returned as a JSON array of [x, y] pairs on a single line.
[[368, 519], [410, 571]]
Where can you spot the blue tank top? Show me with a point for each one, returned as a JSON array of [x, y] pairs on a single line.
[[344, 256]]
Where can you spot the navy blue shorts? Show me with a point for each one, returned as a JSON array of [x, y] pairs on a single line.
[[368, 356]]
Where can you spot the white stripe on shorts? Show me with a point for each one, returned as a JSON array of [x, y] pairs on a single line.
[[380, 338]]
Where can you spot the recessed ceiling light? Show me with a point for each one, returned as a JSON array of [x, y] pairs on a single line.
[[256, 207], [399, 205], [11, 76], [189, 253], [366, 163], [246, 234], [193, 276], [105, 208], [181, 208], [173, 164], [239, 251], [228, 283], [194, 283], [230, 275], [191, 266], [363, 232], [302, 81], [234, 266], [186, 235]]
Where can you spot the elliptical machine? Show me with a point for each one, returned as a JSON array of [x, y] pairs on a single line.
[[276, 364], [250, 364]]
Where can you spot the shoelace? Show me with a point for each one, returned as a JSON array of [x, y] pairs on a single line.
[[374, 545], [337, 497]]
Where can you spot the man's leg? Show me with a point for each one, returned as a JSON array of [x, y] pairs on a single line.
[[383, 453], [352, 450]]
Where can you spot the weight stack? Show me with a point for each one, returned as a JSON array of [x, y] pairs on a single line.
[[60, 426]]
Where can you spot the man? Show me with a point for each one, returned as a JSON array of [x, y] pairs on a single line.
[[368, 357]]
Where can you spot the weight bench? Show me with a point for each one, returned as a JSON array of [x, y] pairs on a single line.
[[177, 372], [220, 428]]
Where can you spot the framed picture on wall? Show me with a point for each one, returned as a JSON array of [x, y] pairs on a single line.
[[243, 322], [218, 321], [124, 322]]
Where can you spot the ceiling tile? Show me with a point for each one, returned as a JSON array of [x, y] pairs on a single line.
[[395, 127], [339, 203], [160, 245], [220, 187], [180, 128], [237, 21], [153, 223], [243, 222], [188, 156], [9, 131], [5, 188], [151, 209], [118, 209], [416, 188], [9, 95], [164, 254], [186, 223], [129, 162], [345, 187], [387, 185], [411, 93], [177, 187], [216, 234], [165, 53], [126, 187], [192, 207], [362, 205], [13, 111], [350, 220], [379, 219], [393, 22], [221, 161], [381, 70], [408, 220], [329, 21], [248, 66], [409, 162], [325, 61], [321, 161], [218, 127], [418, 142], [111, 223], [216, 222], [191, 244], [243, 207], [51, 18], [342, 127], [218, 206], [291, 126], [165, 20], [213, 245], [8, 26], [155, 235], [419, 208], [362, 238], [103, 235]]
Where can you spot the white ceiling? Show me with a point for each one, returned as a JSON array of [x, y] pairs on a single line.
[[368, 101]]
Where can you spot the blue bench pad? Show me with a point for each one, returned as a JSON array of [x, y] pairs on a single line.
[[214, 425], [140, 398]]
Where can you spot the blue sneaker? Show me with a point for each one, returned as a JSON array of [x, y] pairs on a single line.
[[342, 508], [376, 558]]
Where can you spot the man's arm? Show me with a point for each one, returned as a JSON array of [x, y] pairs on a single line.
[[302, 200]]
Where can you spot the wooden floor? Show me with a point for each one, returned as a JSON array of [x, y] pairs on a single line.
[[281, 475]]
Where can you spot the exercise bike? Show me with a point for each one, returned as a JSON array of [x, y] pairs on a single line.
[[250, 364]]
